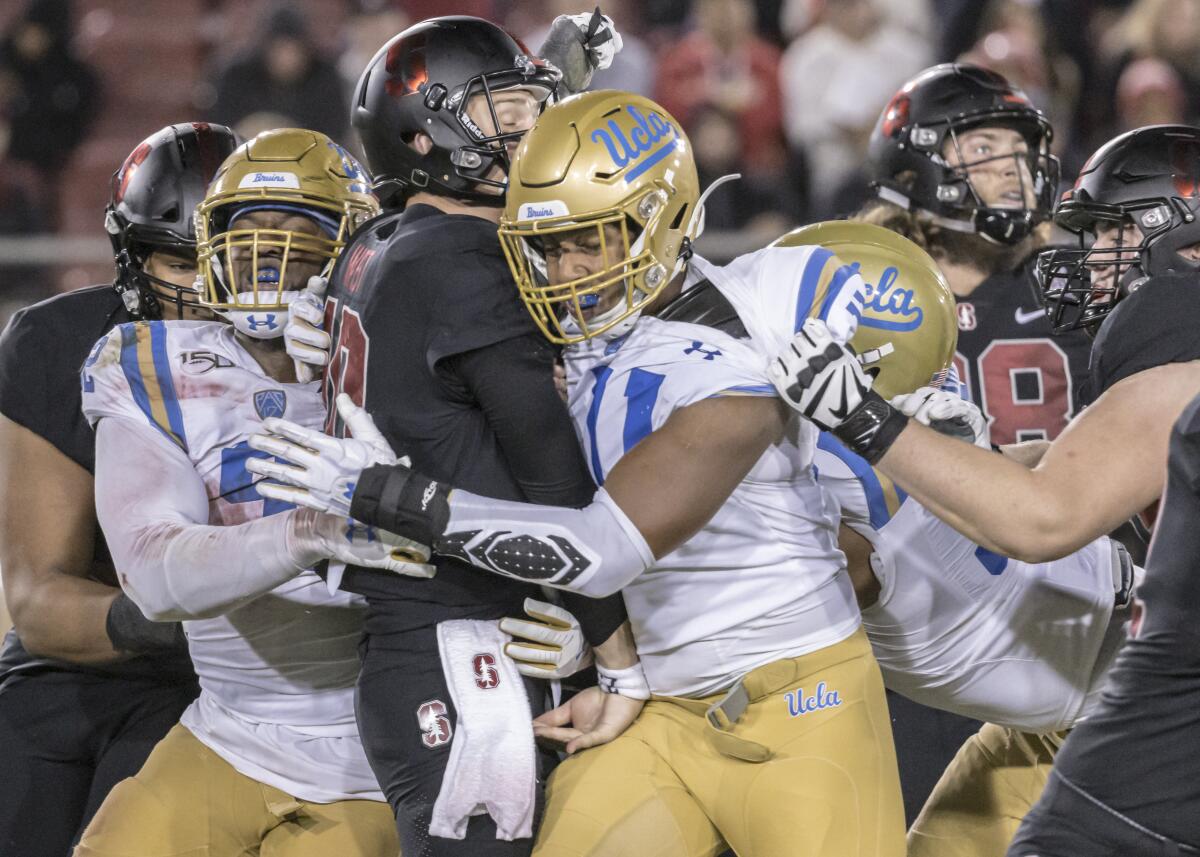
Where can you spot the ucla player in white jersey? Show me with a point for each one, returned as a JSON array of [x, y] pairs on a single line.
[[268, 759], [767, 731], [1025, 647]]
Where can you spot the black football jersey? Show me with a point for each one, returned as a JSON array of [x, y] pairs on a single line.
[[413, 292], [1139, 753], [42, 351], [1026, 381]]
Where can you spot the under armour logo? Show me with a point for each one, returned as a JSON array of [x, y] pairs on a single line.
[[698, 346], [354, 530], [268, 322]]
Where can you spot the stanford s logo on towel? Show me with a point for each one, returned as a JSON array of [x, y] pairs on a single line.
[[486, 674], [435, 725]]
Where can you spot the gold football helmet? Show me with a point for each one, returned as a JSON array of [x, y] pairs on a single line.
[[602, 166], [244, 272], [908, 329]]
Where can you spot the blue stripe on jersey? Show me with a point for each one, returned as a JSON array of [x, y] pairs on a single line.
[[641, 392], [843, 274], [993, 562], [601, 374], [751, 389], [139, 363], [809, 280], [162, 369], [877, 507]]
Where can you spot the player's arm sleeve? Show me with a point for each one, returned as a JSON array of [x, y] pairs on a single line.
[[595, 551], [513, 382], [153, 508], [23, 378]]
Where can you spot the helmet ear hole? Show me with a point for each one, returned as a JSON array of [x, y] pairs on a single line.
[[677, 221]]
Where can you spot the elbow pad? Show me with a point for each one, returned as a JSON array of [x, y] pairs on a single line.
[[596, 550]]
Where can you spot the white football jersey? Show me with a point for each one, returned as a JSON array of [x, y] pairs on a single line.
[[764, 579], [957, 627], [277, 674]]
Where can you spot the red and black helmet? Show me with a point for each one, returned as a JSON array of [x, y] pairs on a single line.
[[1149, 177], [422, 82], [152, 204], [906, 151]]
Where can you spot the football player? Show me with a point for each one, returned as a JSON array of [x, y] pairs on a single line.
[[426, 332], [768, 730], [87, 684], [960, 161], [268, 757], [1144, 372]]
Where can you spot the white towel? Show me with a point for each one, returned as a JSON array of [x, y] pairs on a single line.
[[492, 767]]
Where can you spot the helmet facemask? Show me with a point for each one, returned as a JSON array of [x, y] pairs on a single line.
[[630, 273], [1037, 174], [1081, 286]]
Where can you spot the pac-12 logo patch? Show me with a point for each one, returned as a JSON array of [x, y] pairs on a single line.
[[435, 725], [486, 674], [270, 403], [799, 704]]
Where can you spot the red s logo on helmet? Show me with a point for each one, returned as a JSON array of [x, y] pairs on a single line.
[[1185, 168], [895, 116], [122, 178]]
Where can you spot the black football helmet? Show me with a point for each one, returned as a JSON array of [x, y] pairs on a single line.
[[421, 82], [1149, 177], [152, 206], [905, 153]]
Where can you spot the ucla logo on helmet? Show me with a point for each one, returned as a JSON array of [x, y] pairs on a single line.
[[641, 146], [889, 307]]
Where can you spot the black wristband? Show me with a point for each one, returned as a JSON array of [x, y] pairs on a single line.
[[394, 498], [132, 633], [871, 428]]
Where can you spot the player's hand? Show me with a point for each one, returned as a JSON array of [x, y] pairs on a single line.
[[579, 45], [320, 472], [552, 646], [307, 343], [588, 719], [820, 377], [823, 380], [355, 543], [946, 413]]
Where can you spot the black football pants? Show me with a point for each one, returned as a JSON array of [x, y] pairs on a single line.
[[65, 740]]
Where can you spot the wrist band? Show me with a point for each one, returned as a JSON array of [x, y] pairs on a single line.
[[630, 682], [871, 428]]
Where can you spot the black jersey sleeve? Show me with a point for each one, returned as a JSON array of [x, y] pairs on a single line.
[[1154, 326], [24, 351], [479, 306], [513, 382]]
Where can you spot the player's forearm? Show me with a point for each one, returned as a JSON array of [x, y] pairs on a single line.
[[993, 501], [619, 651], [177, 571], [63, 617], [595, 551]]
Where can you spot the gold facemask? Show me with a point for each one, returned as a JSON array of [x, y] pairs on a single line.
[[289, 170], [908, 330], [596, 160]]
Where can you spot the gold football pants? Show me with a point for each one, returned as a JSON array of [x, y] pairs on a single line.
[[976, 807], [187, 801], [808, 770]]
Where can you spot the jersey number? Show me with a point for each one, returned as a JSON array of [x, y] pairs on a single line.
[[347, 372], [1026, 389], [641, 392], [237, 483]]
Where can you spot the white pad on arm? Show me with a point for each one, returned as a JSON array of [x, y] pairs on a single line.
[[595, 550], [153, 508]]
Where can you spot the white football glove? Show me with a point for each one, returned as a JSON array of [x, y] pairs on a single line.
[[946, 413], [322, 471], [578, 45], [820, 377], [551, 647], [307, 344], [600, 37], [354, 543]]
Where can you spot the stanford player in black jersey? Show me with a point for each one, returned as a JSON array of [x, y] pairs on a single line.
[[1126, 779], [87, 685], [428, 334]]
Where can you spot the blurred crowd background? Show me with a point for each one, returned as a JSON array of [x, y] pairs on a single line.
[[785, 92]]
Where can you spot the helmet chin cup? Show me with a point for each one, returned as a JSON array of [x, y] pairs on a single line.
[[261, 323], [1003, 226]]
